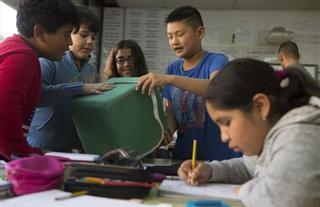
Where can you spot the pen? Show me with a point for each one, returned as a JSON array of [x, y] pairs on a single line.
[[74, 194], [194, 152]]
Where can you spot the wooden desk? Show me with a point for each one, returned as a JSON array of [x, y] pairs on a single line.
[[179, 201]]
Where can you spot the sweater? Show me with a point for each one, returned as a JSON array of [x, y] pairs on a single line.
[[287, 172], [20, 87]]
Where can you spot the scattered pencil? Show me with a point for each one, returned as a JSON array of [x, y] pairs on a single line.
[[74, 194]]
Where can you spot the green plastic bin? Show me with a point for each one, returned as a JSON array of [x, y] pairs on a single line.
[[122, 117]]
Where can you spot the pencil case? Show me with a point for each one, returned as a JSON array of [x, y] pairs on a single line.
[[107, 180], [34, 174]]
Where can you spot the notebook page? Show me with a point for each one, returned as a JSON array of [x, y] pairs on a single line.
[[214, 190]]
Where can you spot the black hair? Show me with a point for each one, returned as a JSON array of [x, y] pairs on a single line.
[[236, 84], [188, 14], [137, 54], [88, 17], [50, 14], [289, 49]]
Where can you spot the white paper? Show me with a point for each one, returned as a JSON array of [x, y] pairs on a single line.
[[214, 190], [47, 199], [244, 32], [112, 32], [145, 26], [75, 156]]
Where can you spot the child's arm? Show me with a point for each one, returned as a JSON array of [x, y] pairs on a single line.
[[199, 175], [236, 170], [53, 93], [151, 80], [289, 172], [172, 124], [107, 71]]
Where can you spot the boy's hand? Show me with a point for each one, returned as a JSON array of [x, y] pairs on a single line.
[[151, 80], [199, 175], [167, 137], [96, 88]]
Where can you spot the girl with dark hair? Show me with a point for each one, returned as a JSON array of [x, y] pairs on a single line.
[[274, 119], [125, 60]]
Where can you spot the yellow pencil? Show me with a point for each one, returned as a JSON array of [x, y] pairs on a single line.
[[74, 194], [194, 153]]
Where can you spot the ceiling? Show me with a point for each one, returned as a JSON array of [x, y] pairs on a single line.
[[206, 4], [219, 4]]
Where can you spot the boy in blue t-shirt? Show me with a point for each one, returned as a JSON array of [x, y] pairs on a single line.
[[186, 110]]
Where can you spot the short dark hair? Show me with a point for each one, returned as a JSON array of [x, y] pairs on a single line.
[[236, 83], [50, 14], [289, 49], [137, 54], [189, 14], [88, 17]]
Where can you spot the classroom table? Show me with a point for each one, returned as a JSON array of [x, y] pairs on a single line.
[[175, 201]]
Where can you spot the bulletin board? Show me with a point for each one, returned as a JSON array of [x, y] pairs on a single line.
[[237, 33]]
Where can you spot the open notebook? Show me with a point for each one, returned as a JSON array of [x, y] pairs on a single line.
[[47, 199], [212, 190]]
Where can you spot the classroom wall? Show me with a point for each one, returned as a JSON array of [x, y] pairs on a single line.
[[249, 29]]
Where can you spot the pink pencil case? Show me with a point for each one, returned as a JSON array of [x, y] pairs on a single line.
[[34, 174]]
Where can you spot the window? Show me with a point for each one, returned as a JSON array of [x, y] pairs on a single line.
[[7, 21]]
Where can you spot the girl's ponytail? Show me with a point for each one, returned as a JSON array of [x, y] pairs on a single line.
[[296, 88]]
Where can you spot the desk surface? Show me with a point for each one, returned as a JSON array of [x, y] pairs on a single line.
[[179, 201]]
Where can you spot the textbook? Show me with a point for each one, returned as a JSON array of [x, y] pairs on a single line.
[[210, 190]]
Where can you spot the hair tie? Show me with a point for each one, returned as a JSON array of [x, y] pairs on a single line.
[[281, 74], [284, 80]]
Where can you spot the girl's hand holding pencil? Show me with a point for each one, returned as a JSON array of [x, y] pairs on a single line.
[[192, 171], [201, 173]]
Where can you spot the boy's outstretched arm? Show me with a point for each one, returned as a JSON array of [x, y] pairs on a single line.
[[151, 80]]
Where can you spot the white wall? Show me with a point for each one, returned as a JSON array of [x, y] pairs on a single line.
[[249, 28], [7, 20]]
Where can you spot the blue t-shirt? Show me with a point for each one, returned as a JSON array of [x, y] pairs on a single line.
[[191, 115]]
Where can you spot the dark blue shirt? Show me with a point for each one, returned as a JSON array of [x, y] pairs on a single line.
[[191, 115], [52, 126]]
